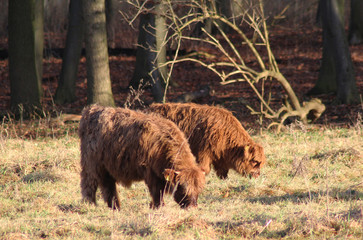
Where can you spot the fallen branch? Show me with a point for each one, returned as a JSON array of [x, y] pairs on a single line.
[[63, 118]]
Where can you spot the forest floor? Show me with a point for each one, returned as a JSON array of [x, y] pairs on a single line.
[[298, 52]]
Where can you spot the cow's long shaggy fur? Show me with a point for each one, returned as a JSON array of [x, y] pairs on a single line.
[[216, 138], [121, 145]]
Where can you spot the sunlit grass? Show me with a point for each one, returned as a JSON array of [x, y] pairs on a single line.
[[311, 187]]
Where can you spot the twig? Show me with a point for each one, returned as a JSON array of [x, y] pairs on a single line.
[[234, 69], [266, 225]]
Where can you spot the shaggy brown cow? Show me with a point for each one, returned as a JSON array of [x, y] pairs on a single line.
[[215, 137], [121, 145]]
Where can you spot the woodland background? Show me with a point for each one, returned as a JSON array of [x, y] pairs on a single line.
[[295, 39]]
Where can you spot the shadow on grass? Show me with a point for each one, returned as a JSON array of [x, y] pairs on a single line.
[[72, 208], [136, 230], [40, 176], [299, 197]]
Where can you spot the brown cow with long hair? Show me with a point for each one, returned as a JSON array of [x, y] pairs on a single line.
[[215, 137], [122, 145]]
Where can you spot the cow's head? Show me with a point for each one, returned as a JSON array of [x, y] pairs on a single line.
[[251, 161], [185, 185]]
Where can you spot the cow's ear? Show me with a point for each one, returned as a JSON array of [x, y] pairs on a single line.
[[170, 175]]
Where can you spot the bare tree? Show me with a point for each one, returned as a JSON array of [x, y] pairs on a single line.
[[151, 51], [356, 22], [26, 53], [235, 69], [336, 73], [98, 72], [66, 90]]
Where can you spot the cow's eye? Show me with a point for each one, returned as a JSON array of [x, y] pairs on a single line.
[[254, 163]]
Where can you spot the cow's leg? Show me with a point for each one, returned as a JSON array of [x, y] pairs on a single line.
[[109, 190], [89, 186], [222, 173], [156, 187], [221, 168]]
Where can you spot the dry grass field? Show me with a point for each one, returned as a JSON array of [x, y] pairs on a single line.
[[311, 188]]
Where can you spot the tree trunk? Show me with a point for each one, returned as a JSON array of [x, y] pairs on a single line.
[[98, 72], [225, 8], [336, 73], [151, 53], [161, 32], [26, 53], [326, 82], [356, 22], [207, 24], [111, 14], [67, 82]]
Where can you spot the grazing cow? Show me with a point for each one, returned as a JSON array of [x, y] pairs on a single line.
[[122, 145], [215, 137]]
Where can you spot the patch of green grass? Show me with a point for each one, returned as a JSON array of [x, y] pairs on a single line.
[[311, 187]]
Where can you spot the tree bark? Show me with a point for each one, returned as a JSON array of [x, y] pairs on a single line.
[[98, 72], [207, 24], [151, 53], [161, 32], [26, 53], [336, 73], [67, 82], [111, 14], [356, 22]]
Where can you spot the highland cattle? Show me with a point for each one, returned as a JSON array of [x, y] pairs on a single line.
[[215, 137], [123, 146]]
